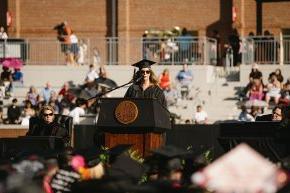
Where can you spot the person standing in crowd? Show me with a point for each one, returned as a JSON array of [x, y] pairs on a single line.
[[96, 57], [184, 78], [273, 89], [13, 113], [3, 34], [79, 110], [46, 92], [83, 48], [74, 49], [48, 126], [164, 79], [32, 96], [6, 78], [234, 42], [63, 35], [184, 45], [17, 75], [277, 113], [216, 36], [146, 83], [66, 175], [279, 75], [285, 94], [200, 116], [245, 115], [256, 91], [66, 94], [92, 75]]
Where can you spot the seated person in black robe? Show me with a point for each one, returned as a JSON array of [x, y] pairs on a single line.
[[146, 83], [47, 126]]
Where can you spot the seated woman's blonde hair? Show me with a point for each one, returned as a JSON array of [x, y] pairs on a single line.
[[45, 108]]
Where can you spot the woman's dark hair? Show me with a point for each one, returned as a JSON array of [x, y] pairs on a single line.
[[285, 123]]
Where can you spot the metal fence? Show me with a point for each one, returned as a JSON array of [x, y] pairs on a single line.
[[112, 51], [265, 50]]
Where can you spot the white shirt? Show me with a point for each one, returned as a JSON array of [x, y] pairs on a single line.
[[200, 116], [76, 113], [3, 35], [73, 39], [91, 76]]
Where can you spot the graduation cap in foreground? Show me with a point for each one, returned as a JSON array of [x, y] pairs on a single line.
[[240, 170], [169, 158], [124, 166], [143, 64], [118, 150]]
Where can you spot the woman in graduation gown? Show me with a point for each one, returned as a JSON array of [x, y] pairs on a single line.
[[146, 83]]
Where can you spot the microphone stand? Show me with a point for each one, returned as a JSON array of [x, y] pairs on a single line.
[[99, 95]]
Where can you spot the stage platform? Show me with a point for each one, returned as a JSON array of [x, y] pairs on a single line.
[[268, 138]]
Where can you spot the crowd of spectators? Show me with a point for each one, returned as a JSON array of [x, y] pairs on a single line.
[[259, 96], [69, 100]]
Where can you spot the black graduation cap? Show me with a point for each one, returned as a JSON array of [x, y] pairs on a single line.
[[125, 166], [118, 150], [143, 64], [170, 158]]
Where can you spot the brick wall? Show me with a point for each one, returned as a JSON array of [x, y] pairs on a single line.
[[38, 17], [275, 16], [88, 18]]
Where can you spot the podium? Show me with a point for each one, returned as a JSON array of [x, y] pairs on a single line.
[[140, 122]]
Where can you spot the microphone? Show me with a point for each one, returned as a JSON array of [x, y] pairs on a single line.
[[138, 79]]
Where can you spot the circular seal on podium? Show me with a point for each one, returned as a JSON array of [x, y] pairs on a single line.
[[126, 112]]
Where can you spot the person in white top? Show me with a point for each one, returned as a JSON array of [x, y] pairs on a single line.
[[200, 116], [78, 111], [3, 34], [92, 74], [83, 48]]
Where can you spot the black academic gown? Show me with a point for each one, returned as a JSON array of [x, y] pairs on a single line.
[[53, 129], [153, 92]]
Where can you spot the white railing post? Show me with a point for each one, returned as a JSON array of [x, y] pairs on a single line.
[[281, 49], [204, 51]]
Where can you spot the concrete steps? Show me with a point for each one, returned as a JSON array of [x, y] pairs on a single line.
[[217, 97]]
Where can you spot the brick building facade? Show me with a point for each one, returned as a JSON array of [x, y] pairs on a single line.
[[34, 18], [93, 18]]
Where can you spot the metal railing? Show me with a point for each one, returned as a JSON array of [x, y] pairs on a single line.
[[112, 51], [265, 50]]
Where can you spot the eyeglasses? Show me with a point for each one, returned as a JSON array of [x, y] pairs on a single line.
[[49, 114], [145, 71]]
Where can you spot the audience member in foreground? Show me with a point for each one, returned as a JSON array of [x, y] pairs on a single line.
[[47, 125]]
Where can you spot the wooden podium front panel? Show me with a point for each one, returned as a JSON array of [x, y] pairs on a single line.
[[136, 140], [153, 141], [141, 142]]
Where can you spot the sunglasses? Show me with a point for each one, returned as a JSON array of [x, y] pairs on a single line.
[[145, 71], [49, 114]]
